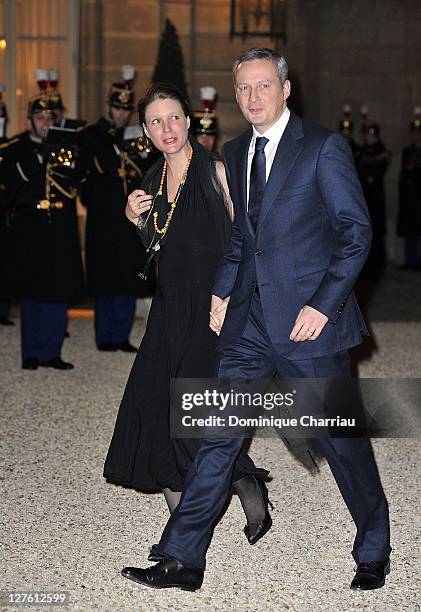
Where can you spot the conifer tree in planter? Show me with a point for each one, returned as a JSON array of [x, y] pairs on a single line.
[[170, 63]]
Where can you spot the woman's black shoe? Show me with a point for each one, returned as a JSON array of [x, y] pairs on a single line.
[[255, 531]]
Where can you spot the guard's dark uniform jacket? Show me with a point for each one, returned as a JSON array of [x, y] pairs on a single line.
[[72, 124], [356, 150], [110, 169], [372, 163], [4, 303], [409, 217], [42, 244]]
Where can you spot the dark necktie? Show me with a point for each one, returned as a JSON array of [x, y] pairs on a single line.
[[257, 180]]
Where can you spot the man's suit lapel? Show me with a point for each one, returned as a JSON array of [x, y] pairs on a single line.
[[287, 152]]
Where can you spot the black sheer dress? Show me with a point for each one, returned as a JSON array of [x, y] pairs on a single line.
[[178, 341]]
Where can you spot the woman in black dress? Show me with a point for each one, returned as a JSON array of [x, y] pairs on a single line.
[[188, 237]]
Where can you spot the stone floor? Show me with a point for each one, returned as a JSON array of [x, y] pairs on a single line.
[[66, 530]]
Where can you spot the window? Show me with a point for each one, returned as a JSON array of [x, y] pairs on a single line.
[[38, 34], [2, 48]]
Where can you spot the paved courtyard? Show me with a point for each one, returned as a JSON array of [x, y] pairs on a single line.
[[66, 530]]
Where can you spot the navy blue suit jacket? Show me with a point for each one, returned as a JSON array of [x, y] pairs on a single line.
[[312, 239]]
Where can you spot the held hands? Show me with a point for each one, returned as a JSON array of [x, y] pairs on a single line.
[[138, 202], [308, 325], [217, 313]]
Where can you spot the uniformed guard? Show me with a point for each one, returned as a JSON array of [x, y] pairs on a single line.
[[409, 215], [364, 118], [112, 162], [346, 128], [43, 238], [3, 115], [59, 109], [4, 301], [373, 162], [204, 124]]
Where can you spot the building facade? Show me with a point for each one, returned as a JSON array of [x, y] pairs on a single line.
[[339, 51]]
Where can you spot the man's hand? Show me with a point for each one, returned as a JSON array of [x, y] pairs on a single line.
[[308, 325], [217, 313], [138, 202]]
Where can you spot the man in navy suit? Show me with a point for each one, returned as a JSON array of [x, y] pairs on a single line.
[[283, 302]]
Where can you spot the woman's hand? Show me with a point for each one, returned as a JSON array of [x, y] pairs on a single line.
[[217, 313], [138, 202]]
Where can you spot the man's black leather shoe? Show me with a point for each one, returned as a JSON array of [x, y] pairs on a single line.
[[30, 364], [57, 363], [166, 574], [154, 555], [5, 321], [371, 575], [107, 346], [256, 531], [126, 347]]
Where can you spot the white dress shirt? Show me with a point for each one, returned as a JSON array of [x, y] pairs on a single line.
[[274, 135]]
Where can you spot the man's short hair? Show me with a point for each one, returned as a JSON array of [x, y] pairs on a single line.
[[263, 53]]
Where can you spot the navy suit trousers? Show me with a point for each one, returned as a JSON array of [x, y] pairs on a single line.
[[189, 530]]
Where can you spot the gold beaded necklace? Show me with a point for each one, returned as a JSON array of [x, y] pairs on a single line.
[[154, 243], [163, 230]]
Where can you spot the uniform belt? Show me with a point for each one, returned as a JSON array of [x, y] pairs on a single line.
[[39, 205], [47, 205]]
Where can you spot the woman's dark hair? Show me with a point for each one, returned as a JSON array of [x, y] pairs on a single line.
[[161, 91]]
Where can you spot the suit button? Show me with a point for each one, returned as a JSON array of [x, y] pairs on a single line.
[[259, 252]]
